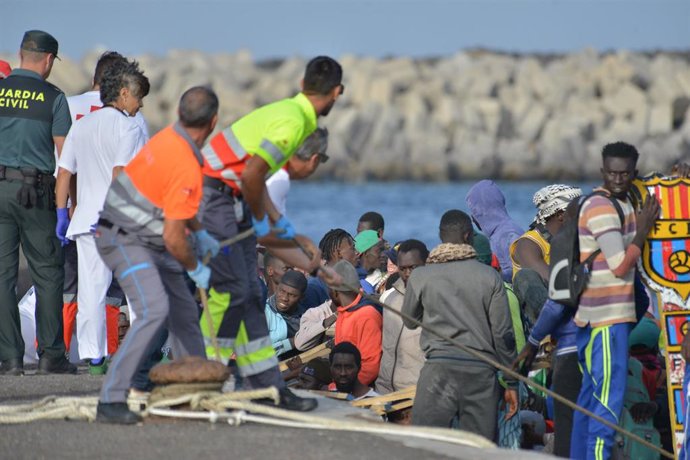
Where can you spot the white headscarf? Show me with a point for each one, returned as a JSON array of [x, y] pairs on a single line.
[[552, 199]]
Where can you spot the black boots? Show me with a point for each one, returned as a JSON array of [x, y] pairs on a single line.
[[117, 413], [12, 367], [290, 401], [55, 366]]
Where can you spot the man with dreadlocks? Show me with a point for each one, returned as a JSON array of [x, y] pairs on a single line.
[[530, 253], [320, 314], [336, 245], [460, 297]]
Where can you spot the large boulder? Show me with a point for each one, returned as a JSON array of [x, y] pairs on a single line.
[[472, 156]]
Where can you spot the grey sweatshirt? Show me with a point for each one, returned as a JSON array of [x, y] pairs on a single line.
[[464, 300]]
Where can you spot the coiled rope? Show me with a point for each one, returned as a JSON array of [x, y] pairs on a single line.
[[213, 406]]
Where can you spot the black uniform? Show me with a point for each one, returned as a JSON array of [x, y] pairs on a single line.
[[32, 112]]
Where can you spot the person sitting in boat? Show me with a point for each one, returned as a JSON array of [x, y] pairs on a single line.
[[346, 363], [282, 311], [274, 269], [487, 206], [318, 320], [530, 253], [315, 375], [358, 321], [402, 357], [337, 244], [372, 220], [370, 248]]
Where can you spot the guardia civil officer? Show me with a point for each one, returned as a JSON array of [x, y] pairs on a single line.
[[34, 120]]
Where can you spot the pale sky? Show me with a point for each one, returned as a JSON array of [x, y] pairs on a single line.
[[418, 28]]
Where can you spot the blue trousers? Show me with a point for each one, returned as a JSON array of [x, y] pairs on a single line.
[[603, 358]]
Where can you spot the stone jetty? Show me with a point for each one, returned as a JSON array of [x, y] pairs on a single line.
[[471, 115]]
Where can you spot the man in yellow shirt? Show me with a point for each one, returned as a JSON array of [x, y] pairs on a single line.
[[530, 253]]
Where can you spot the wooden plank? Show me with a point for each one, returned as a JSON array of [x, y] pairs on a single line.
[[318, 351], [331, 394], [406, 393], [401, 405]]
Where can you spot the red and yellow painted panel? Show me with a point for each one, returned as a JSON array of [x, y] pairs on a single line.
[[665, 265]]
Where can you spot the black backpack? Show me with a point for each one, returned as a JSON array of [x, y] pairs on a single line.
[[568, 277]]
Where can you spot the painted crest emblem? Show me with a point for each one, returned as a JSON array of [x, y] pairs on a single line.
[[665, 267], [666, 253]]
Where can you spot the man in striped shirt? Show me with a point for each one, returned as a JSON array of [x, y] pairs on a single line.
[[606, 312]]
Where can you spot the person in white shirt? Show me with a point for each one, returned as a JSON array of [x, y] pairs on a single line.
[[80, 106], [90, 101], [97, 148], [303, 163]]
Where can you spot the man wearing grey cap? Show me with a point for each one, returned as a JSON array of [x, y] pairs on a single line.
[[358, 321], [34, 120]]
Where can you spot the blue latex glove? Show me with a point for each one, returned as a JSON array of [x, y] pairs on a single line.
[[93, 228], [200, 275], [261, 227], [284, 229], [62, 224], [282, 347], [205, 243]]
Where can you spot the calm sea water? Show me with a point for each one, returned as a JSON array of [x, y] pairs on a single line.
[[411, 210]]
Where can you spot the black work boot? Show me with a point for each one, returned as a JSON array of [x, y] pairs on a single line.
[[55, 366], [117, 413], [290, 401], [13, 366]]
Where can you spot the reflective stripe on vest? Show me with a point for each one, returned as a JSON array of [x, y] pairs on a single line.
[[272, 150], [123, 198], [211, 157], [223, 150], [229, 174]]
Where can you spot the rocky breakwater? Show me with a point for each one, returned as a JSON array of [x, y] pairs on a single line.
[[472, 115]]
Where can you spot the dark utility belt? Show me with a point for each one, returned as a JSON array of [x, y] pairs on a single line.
[[109, 225], [8, 173], [222, 187]]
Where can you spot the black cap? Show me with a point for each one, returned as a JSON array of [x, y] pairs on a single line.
[[39, 41], [295, 279]]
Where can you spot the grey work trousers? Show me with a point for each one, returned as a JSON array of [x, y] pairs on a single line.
[[445, 390], [154, 284]]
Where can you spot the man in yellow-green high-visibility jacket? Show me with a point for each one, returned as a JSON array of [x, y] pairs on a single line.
[[236, 164]]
